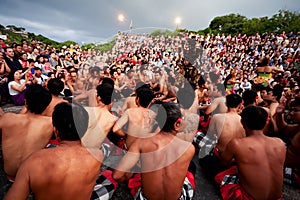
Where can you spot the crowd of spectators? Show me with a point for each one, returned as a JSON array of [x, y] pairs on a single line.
[[196, 71]]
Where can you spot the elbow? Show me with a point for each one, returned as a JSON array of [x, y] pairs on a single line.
[[117, 176]]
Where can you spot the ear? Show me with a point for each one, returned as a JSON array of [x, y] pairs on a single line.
[[56, 134], [177, 125], [137, 101], [98, 98]]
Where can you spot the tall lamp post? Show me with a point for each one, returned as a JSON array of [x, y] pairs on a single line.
[[121, 18]]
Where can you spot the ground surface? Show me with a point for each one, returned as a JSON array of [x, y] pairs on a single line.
[[205, 189]]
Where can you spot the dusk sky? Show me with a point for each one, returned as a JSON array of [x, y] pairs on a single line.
[[97, 20]]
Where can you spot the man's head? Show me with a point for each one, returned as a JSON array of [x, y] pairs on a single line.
[[37, 98], [105, 91], [9, 52], [70, 121], [144, 96], [186, 97], [55, 86], [249, 97], [169, 117], [233, 100], [295, 110], [37, 72], [254, 118]]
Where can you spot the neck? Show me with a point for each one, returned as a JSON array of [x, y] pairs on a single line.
[[70, 143], [102, 105], [173, 132], [232, 110], [254, 133]]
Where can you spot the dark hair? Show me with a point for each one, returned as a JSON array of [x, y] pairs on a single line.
[[233, 100], [221, 88], [104, 91], [295, 102], [249, 97], [254, 117], [168, 113], [37, 98], [277, 91], [107, 80], [186, 97], [70, 120], [55, 86], [145, 96]]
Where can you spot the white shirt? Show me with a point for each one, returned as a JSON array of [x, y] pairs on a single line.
[[12, 91]]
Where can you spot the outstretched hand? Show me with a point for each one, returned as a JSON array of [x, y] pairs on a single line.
[[282, 104]]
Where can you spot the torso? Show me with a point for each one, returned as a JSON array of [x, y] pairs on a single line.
[[54, 172], [23, 136], [226, 131], [100, 123], [260, 163], [141, 121], [166, 161]]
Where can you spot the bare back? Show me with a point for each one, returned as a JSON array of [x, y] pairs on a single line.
[[128, 103], [59, 173], [100, 123], [293, 151], [140, 123], [50, 108], [260, 163], [165, 159], [23, 134], [228, 126]]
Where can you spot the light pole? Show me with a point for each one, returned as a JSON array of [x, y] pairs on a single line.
[[121, 18], [177, 22]]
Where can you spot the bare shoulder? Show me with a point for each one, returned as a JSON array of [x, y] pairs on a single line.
[[277, 141], [40, 158], [6, 119], [237, 143]]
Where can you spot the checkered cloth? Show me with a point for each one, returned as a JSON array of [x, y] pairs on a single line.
[[292, 176], [230, 179], [228, 176], [105, 186], [204, 143], [187, 192]]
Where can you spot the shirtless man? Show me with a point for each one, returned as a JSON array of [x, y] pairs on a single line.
[[24, 134], [140, 120], [250, 98], [218, 104], [53, 173], [100, 118], [164, 159], [222, 129], [186, 97], [55, 87], [292, 132], [259, 161], [130, 101], [89, 95]]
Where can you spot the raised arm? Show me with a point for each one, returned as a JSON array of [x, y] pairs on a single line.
[[281, 124], [117, 128]]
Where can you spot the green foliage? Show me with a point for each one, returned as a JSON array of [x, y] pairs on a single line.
[[166, 33], [101, 47], [235, 23], [106, 46], [66, 43]]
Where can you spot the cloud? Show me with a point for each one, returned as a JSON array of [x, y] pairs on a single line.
[[96, 20]]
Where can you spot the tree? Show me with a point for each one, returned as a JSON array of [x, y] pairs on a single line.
[[230, 24]]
